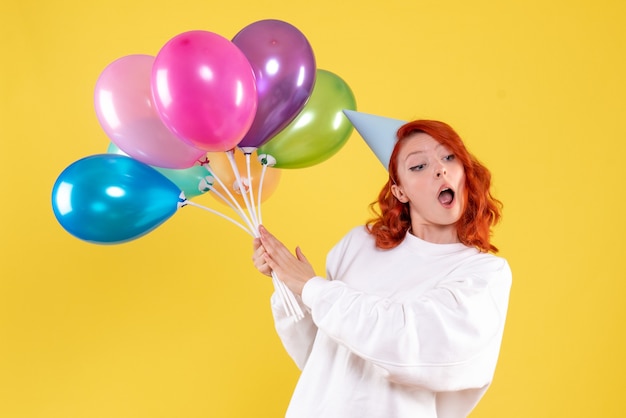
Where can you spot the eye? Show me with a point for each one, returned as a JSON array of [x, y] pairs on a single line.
[[418, 167], [450, 157]]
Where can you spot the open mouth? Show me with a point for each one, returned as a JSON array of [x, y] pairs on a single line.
[[446, 196]]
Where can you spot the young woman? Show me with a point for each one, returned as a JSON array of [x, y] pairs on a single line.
[[409, 319]]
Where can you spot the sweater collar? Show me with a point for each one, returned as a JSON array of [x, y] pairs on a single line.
[[417, 244]]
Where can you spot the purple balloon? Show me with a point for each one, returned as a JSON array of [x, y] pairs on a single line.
[[284, 65]]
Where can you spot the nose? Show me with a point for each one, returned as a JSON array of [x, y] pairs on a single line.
[[440, 170]]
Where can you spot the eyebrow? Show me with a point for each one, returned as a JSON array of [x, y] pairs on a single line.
[[439, 145], [416, 152]]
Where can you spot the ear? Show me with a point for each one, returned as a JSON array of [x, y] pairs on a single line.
[[399, 193]]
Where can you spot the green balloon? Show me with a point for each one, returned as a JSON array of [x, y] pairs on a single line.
[[193, 181], [319, 130]]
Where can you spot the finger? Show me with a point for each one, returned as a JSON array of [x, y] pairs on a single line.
[[259, 261], [271, 264], [258, 252], [268, 239], [261, 265], [257, 257], [301, 255], [274, 247], [265, 269], [263, 232]]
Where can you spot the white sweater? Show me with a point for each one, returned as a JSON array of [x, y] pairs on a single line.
[[410, 332]]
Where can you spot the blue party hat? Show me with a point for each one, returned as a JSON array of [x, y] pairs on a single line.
[[378, 132]]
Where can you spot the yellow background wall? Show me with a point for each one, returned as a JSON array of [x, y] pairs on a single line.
[[176, 324]]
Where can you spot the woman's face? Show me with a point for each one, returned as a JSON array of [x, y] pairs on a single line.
[[432, 181]]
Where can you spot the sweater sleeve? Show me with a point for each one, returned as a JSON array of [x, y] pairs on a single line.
[[296, 336], [446, 340]]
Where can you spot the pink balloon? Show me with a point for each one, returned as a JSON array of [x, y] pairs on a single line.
[[125, 109], [204, 90]]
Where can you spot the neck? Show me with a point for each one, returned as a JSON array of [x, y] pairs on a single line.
[[437, 234]]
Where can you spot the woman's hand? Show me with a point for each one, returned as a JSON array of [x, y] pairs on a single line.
[[258, 257], [271, 255]]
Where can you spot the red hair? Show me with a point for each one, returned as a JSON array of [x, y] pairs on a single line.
[[482, 211]]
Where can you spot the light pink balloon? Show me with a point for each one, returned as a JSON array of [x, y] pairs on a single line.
[[204, 90], [126, 111]]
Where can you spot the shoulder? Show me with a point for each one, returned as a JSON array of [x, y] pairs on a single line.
[[357, 248], [358, 235], [489, 260], [356, 240], [489, 266]]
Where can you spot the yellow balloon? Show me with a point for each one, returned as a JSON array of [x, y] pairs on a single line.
[[221, 168]]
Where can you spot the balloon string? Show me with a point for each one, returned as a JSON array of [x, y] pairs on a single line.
[[288, 297], [221, 183], [266, 161], [242, 187], [283, 292], [290, 304], [239, 211], [278, 285], [237, 207], [253, 210], [259, 214], [291, 301], [189, 202]]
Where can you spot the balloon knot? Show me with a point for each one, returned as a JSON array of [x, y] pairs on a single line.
[[267, 160], [247, 150], [182, 200]]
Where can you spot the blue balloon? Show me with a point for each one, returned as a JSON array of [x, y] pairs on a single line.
[[110, 199]]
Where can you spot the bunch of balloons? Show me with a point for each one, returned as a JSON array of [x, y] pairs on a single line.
[[188, 120]]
